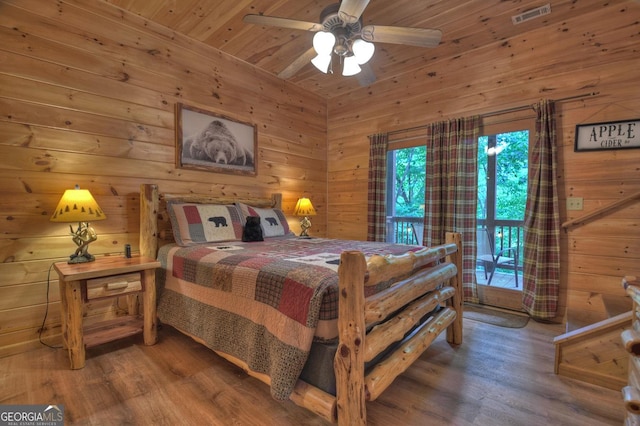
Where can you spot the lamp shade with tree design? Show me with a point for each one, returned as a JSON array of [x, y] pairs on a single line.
[[78, 205]]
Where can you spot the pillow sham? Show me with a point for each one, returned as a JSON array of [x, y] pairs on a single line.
[[204, 223], [273, 221]]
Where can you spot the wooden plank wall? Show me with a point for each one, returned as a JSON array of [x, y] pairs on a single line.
[[87, 95], [597, 52]]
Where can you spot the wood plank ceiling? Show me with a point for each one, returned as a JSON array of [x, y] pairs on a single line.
[[467, 25]]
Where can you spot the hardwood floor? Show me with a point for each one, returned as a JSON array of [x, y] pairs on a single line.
[[499, 376]]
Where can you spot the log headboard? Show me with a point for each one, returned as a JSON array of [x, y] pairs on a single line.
[[155, 226]]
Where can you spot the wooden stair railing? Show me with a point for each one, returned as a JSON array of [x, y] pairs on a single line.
[[593, 354], [601, 211]]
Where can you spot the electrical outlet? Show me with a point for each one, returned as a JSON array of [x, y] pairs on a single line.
[[574, 203]]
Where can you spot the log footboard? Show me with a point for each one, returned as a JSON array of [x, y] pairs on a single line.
[[396, 312]]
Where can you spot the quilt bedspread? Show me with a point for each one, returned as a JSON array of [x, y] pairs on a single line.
[[260, 302]]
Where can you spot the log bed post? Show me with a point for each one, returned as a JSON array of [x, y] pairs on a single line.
[[349, 359], [148, 220], [454, 332]]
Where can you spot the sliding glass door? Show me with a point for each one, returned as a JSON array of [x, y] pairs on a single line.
[[503, 160]]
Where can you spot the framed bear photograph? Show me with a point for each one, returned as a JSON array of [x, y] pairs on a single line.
[[212, 142]]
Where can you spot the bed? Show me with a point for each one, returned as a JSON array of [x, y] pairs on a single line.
[[327, 324]]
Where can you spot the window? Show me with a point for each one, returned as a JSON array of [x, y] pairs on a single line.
[[405, 194], [502, 176]]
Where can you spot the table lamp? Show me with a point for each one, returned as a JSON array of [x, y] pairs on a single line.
[[304, 208], [78, 205]]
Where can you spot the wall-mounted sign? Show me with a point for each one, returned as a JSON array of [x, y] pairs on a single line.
[[611, 135]]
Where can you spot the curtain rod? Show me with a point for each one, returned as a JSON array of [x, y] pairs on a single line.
[[502, 111]]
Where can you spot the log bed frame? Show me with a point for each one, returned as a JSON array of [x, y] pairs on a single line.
[[413, 296]]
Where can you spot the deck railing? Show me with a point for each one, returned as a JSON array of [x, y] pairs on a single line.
[[507, 233], [405, 230]]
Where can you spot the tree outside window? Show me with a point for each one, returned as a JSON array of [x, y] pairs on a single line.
[[406, 170]]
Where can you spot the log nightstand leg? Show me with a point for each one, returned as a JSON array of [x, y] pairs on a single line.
[[71, 293], [150, 327], [63, 314]]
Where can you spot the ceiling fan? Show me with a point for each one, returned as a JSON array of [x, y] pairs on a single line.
[[341, 33]]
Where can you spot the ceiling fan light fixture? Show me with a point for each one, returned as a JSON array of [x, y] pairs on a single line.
[[322, 62], [350, 66], [341, 32], [362, 50], [323, 42]]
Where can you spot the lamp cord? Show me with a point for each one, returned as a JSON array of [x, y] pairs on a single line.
[[46, 312]]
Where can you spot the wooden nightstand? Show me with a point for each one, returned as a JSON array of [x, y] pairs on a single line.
[[106, 277]]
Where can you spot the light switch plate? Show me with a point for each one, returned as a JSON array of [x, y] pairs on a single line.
[[574, 203]]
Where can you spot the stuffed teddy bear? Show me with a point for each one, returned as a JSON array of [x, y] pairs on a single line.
[[252, 231]]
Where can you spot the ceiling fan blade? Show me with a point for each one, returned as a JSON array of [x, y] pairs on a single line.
[[297, 64], [274, 21], [366, 77], [351, 10], [421, 37]]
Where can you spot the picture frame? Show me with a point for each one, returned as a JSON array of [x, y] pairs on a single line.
[[624, 134], [209, 141]]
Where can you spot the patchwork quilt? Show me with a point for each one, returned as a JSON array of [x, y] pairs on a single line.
[[261, 302]]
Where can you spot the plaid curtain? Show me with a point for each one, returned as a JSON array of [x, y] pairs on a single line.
[[542, 221], [451, 190], [377, 212]]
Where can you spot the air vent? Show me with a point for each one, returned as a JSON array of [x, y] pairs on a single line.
[[531, 14]]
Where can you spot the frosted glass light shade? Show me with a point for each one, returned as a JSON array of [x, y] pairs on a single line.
[[350, 66], [322, 62], [323, 43], [363, 51], [495, 150]]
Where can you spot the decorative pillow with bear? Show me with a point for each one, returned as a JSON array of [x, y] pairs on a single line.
[[273, 221], [204, 223]]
